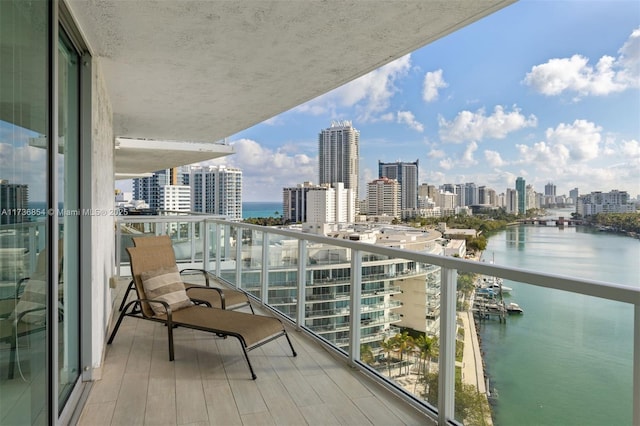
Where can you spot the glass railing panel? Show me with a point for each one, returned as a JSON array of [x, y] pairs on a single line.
[[283, 263], [251, 261], [399, 331], [552, 357], [227, 255], [327, 292]]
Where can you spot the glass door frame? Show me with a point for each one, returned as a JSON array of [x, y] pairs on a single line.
[[61, 21]]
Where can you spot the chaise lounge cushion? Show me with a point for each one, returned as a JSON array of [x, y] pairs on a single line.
[[164, 284]]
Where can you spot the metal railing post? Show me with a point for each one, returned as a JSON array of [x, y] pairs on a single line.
[[302, 283], [264, 291], [447, 358], [636, 365], [238, 257], [192, 240], [206, 265], [218, 242], [355, 306]]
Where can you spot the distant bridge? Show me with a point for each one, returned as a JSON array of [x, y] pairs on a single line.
[[561, 221]]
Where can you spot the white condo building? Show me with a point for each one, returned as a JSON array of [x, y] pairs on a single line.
[[511, 201], [175, 198], [339, 155], [217, 190], [308, 203], [604, 202]]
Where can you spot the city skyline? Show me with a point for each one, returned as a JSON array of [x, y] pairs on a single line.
[[501, 98]]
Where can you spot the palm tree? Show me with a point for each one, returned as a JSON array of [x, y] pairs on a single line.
[[388, 346], [366, 354], [403, 343], [425, 346]]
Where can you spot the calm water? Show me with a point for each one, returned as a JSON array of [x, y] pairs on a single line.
[[261, 209], [568, 359]]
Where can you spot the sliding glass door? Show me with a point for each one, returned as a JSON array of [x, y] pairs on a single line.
[[39, 215]]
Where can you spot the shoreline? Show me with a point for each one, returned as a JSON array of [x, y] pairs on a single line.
[[472, 362]]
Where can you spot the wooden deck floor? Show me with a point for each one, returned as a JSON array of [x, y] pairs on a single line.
[[209, 384]]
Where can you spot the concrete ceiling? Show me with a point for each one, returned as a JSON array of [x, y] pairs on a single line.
[[201, 70]]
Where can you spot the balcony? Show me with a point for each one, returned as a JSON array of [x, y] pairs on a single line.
[[213, 242]]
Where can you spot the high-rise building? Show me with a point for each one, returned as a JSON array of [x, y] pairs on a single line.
[[339, 155], [175, 198], [531, 197], [294, 202], [319, 203], [574, 194], [14, 198], [471, 196], [511, 201], [521, 189], [407, 176], [604, 202], [217, 190], [550, 190], [149, 188], [382, 196]]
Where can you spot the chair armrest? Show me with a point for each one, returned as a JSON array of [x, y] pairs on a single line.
[[202, 271], [216, 289]]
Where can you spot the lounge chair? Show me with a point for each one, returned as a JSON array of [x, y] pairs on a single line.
[[151, 277], [223, 297]]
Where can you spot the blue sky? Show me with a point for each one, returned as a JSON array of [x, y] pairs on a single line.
[[546, 90]]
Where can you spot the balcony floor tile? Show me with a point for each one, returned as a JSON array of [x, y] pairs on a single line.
[[209, 384]]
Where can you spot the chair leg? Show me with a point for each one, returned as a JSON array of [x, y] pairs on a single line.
[[126, 295], [12, 356], [170, 338], [290, 344], [120, 318], [246, 356]]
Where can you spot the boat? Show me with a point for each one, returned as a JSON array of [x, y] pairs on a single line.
[[514, 308], [485, 291], [499, 287]]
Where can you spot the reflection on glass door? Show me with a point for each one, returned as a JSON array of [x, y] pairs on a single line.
[[69, 218], [24, 181]]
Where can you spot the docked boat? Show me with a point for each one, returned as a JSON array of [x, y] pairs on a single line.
[[514, 308], [497, 287]]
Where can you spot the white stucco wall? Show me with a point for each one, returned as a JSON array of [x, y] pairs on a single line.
[[102, 227]]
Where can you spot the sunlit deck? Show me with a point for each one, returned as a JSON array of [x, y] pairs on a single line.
[[209, 383]]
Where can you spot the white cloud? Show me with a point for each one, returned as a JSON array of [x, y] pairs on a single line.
[[387, 117], [370, 94], [265, 172], [436, 153], [432, 82], [631, 149], [467, 158], [446, 164], [407, 117], [582, 139], [493, 158], [469, 126], [610, 75]]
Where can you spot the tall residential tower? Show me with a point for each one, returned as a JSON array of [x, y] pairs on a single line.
[[521, 189], [407, 176], [339, 155]]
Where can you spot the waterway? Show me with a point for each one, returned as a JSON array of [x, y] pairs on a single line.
[[568, 359]]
